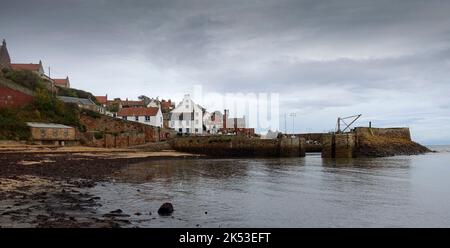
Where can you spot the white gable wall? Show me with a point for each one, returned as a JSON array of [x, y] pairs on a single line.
[[192, 117], [156, 121]]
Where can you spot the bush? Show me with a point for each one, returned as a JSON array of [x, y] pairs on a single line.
[[27, 79], [5, 70], [12, 127], [98, 135], [113, 107], [91, 113]]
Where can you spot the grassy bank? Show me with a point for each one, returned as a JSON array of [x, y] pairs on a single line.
[[44, 108]]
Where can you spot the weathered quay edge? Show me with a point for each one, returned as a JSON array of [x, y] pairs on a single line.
[[371, 142], [240, 146]]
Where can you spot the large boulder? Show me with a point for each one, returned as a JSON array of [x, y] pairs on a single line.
[[165, 209]]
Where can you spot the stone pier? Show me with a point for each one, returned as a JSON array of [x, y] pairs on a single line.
[[371, 142], [338, 145], [240, 146]]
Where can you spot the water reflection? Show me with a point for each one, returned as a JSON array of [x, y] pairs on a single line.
[[288, 192]]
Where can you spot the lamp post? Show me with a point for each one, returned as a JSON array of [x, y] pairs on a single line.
[[293, 115]]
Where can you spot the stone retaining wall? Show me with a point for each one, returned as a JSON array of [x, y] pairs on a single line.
[[105, 131], [240, 146]]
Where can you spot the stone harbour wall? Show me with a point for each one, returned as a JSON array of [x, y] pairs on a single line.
[[239, 146], [371, 142]]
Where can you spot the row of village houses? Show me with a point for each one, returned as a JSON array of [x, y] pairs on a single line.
[[186, 118]]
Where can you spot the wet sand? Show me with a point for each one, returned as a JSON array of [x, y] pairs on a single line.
[[40, 189]]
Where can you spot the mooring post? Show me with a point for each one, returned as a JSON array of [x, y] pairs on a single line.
[[339, 125]]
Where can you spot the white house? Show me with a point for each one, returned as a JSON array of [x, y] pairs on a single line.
[[153, 103], [187, 117], [213, 122], [149, 116]]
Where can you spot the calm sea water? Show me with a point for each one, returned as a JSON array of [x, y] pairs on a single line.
[[402, 191]]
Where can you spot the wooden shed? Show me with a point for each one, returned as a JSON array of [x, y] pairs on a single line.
[[45, 133]]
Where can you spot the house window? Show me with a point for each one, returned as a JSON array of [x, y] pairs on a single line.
[[187, 106], [187, 122], [196, 114], [196, 130], [187, 130], [136, 118], [124, 117], [196, 121], [160, 119], [147, 118], [180, 130], [172, 123]]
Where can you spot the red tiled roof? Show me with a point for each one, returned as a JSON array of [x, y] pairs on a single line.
[[128, 103], [102, 99], [29, 67], [138, 112], [62, 81]]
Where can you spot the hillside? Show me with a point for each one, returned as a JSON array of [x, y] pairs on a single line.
[[44, 107]]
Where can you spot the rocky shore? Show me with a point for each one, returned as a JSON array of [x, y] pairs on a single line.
[[392, 148], [50, 190]]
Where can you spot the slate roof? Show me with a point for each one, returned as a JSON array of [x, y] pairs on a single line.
[[46, 125], [82, 101]]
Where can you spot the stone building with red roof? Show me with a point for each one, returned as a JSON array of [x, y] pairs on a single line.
[[63, 82], [103, 100], [36, 68]]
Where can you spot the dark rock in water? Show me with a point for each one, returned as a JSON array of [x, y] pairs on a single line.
[[137, 214], [166, 209], [116, 215], [149, 213], [206, 212], [117, 211]]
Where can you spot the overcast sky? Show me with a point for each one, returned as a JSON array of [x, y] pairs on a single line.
[[388, 60]]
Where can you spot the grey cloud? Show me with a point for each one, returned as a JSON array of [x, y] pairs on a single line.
[[379, 57]]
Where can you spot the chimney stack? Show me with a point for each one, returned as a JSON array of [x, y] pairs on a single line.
[[225, 117]]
